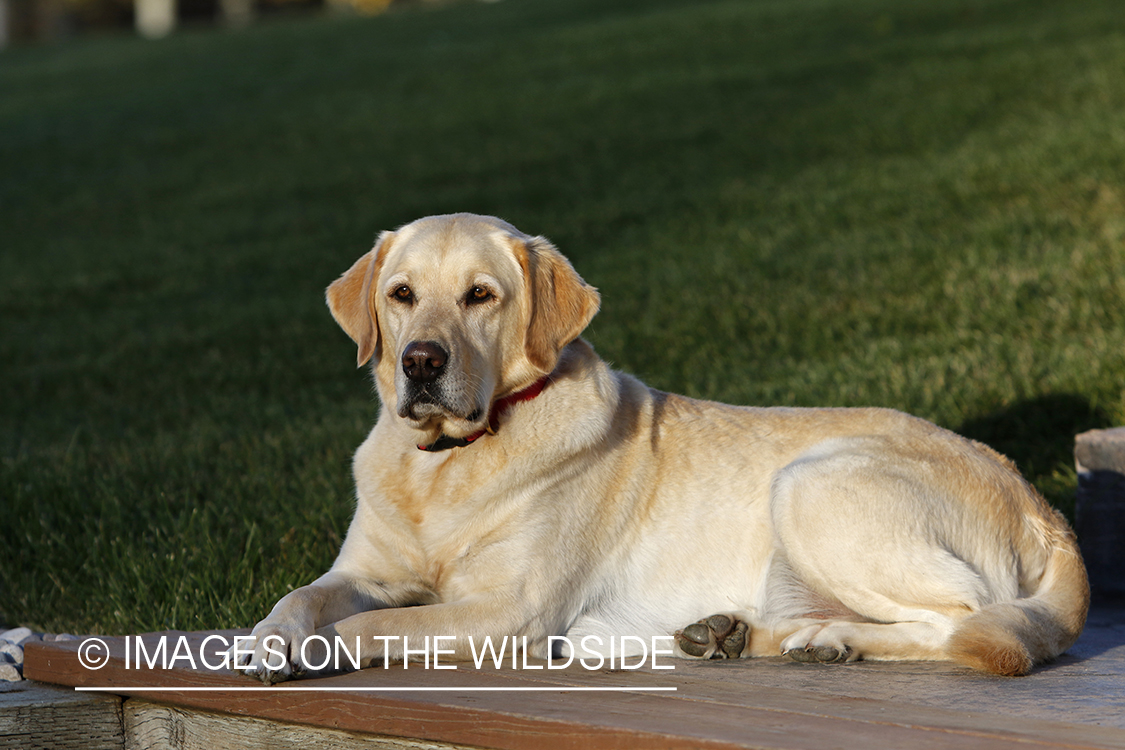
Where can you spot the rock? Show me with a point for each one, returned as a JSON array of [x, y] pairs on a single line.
[[48, 637], [10, 673], [1100, 450], [16, 635], [11, 652]]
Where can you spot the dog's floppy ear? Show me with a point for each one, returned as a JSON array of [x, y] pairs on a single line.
[[559, 304], [351, 298]]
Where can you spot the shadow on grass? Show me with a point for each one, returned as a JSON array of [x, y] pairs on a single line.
[[1038, 434]]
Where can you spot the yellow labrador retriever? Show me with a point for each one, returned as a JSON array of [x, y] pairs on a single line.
[[515, 485]]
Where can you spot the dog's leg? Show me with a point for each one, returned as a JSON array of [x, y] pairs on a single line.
[[287, 645], [836, 641], [897, 554], [458, 629], [279, 638]]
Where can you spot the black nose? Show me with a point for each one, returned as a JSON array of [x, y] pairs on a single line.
[[423, 361]]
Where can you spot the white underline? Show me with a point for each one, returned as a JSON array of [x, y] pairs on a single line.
[[557, 689]]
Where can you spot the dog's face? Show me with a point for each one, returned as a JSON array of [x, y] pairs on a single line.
[[457, 311]]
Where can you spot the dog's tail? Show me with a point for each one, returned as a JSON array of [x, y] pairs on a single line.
[[1008, 638]]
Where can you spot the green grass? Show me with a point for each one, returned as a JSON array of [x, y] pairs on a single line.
[[905, 203]]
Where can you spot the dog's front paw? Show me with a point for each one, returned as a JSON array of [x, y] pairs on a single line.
[[277, 651], [714, 637]]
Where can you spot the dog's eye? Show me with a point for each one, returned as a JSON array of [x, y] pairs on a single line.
[[477, 295], [403, 294]]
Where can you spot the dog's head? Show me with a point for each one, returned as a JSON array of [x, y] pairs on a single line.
[[457, 311]]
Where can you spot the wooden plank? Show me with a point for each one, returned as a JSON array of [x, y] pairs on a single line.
[[741, 685], [151, 726], [33, 715], [710, 708], [487, 720]]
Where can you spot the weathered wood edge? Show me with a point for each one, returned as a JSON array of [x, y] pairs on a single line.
[[155, 726], [35, 715], [704, 714]]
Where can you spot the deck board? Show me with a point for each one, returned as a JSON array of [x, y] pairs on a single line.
[[764, 703]]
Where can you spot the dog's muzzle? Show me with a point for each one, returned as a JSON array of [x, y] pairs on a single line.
[[427, 391]]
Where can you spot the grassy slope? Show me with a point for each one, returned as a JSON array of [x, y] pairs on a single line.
[[815, 202]]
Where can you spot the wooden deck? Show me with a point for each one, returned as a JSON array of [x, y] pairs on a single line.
[[767, 703]]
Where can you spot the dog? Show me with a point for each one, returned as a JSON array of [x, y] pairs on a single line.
[[515, 485]]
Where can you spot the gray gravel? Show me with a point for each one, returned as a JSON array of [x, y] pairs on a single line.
[[11, 650]]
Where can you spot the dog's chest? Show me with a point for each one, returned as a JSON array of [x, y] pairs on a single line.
[[454, 556], [453, 520]]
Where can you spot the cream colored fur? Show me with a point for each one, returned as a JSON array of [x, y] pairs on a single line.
[[606, 507]]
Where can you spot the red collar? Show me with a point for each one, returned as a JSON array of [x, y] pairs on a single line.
[[499, 407]]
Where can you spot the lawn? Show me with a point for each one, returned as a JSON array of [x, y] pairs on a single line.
[[917, 204]]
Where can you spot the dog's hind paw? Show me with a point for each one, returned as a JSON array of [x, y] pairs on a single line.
[[715, 637], [820, 644], [820, 655]]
